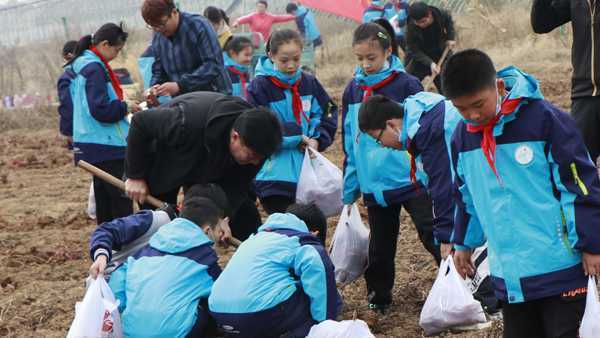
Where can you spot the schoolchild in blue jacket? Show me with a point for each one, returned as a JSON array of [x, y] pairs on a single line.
[[380, 174], [164, 285], [145, 64], [65, 107], [280, 281], [306, 23], [308, 116], [526, 184], [237, 54], [99, 125]]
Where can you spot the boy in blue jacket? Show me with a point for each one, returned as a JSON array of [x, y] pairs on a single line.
[[526, 184], [65, 107], [305, 20], [162, 288], [279, 281]]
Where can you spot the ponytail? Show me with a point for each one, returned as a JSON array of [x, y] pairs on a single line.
[[114, 34]]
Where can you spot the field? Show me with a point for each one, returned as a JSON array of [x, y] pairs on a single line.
[[44, 229]]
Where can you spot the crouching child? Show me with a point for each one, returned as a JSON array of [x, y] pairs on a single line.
[[280, 281], [163, 287]]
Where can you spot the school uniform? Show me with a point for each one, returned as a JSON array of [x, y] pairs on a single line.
[[526, 183], [100, 130], [279, 281], [376, 10], [65, 107], [304, 108], [145, 64], [382, 176], [307, 25], [239, 75]]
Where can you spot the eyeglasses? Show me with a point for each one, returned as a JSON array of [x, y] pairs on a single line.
[[378, 139], [160, 26]]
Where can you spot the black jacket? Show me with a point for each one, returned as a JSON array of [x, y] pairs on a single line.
[[585, 54], [427, 45], [186, 141]]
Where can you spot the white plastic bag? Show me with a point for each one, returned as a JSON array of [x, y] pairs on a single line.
[[320, 182], [449, 303], [343, 329], [590, 324], [91, 207], [97, 315], [350, 246]]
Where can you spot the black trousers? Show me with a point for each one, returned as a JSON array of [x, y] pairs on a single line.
[[586, 112], [385, 227], [111, 202], [553, 317], [276, 203], [421, 71]]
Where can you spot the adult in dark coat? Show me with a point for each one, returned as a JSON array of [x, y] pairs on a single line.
[[202, 137]]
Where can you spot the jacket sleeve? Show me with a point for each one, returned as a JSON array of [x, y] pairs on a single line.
[[450, 32], [351, 186], [468, 233], [246, 19], [436, 162], [119, 232], [413, 48], [159, 125], [65, 107], [159, 76], [282, 18], [209, 51], [96, 92], [327, 126], [576, 178], [118, 285], [549, 14], [316, 273]]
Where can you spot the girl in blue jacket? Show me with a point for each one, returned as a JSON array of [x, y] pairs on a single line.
[[238, 57], [308, 116], [99, 125], [382, 175]]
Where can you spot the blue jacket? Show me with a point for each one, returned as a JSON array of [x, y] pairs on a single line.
[[145, 64], [99, 125], [160, 287], [279, 175], [65, 107], [305, 20], [429, 121], [381, 174], [543, 211], [400, 15], [376, 10], [271, 265], [236, 81]]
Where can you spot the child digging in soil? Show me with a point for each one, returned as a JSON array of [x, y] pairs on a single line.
[[525, 182], [238, 57]]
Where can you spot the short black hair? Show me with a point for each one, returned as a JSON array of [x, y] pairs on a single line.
[[69, 48], [263, 2], [215, 15], [312, 216], [237, 44], [418, 10], [376, 111], [211, 191], [373, 32], [201, 211], [291, 7], [260, 130], [467, 72]]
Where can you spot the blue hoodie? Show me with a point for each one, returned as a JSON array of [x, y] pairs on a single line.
[[429, 121], [160, 287], [279, 175], [544, 208], [65, 107], [376, 10], [236, 79], [381, 174], [305, 20], [270, 266]]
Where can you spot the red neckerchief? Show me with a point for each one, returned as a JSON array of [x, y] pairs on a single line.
[[113, 77], [369, 89], [296, 99], [243, 79], [488, 141]]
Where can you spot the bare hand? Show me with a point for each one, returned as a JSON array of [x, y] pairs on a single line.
[[445, 250], [99, 266], [134, 107], [235, 24], [308, 142], [435, 70], [463, 263], [136, 189], [167, 89], [591, 264], [151, 97], [223, 232], [451, 43]]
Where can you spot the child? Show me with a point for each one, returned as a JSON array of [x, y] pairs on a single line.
[[381, 174], [162, 288], [308, 115], [99, 125], [305, 21], [525, 182], [220, 22], [238, 57], [279, 281], [65, 108]]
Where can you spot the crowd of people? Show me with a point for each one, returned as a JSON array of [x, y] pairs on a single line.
[[485, 161]]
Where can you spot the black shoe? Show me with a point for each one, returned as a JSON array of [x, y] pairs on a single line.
[[381, 308], [379, 302]]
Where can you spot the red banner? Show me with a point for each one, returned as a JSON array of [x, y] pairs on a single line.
[[352, 9]]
